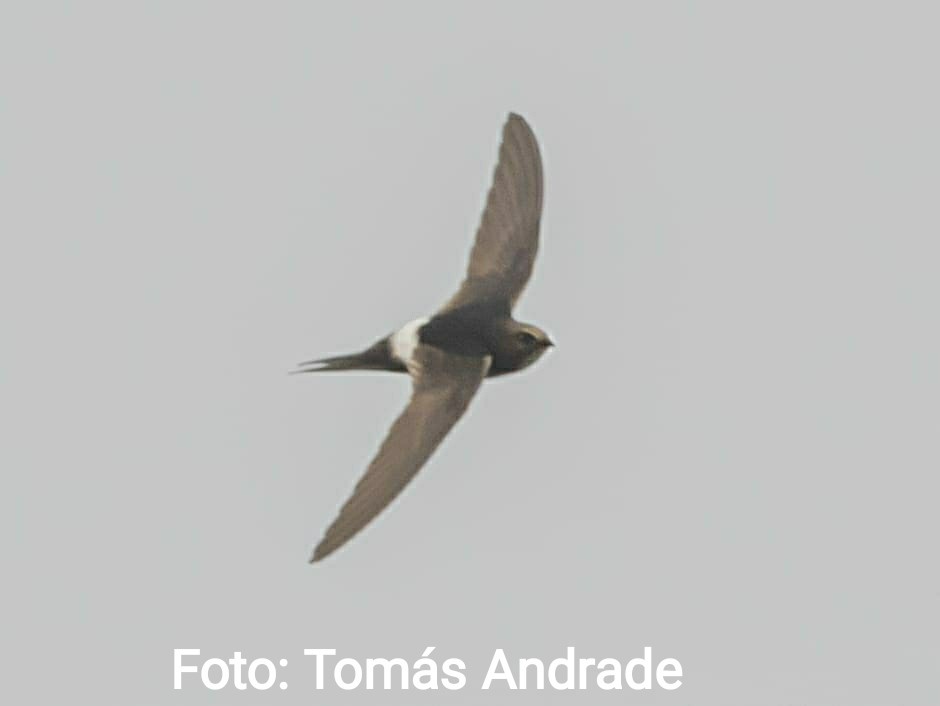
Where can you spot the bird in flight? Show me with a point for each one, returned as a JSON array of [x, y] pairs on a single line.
[[472, 337]]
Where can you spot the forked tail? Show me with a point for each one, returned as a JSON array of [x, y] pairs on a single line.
[[376, 357]]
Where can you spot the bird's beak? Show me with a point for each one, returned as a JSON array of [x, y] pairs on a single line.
[[548, 343]]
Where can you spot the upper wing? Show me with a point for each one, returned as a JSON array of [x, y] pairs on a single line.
[[444, 384], [508, 237]]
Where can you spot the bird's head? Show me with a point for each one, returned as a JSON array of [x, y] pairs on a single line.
[[528, 342]]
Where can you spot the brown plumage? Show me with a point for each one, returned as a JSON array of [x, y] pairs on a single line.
[[471, 337], [441, 393], [508, 237]]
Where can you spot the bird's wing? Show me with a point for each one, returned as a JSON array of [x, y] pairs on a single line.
[[444, 384], [508, 237]]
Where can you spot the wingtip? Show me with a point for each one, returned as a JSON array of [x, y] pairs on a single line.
[[319, 554], [516, 124]]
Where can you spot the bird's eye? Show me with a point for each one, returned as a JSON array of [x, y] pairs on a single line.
[[526, 338]]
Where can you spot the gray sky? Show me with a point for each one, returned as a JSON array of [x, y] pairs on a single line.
[[730, 457]]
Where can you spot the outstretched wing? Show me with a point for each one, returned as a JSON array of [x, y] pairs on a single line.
[[508, 237], [444, 384]]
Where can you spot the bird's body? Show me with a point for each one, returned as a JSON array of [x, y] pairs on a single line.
[[449, 353], [471, 331]]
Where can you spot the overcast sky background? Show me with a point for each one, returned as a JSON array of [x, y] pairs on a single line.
[[731, 456]]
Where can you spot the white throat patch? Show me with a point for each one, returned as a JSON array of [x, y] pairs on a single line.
[[404, 342]]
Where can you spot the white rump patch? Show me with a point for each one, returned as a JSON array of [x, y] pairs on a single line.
[[404, 342]]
